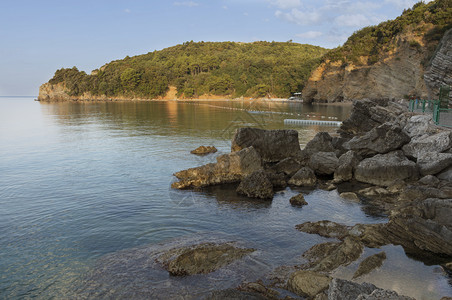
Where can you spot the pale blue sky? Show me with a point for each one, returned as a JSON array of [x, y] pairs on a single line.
[[38, 37]]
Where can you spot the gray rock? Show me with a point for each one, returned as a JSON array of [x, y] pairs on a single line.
[[380, 294], [433, 162], [278, 180], [324, 163], [201, 259], [429, 180], [418, 146], [288, 166], [418, 125], [203, 150], [229, 168], [350, 196], [298, 200], [338, 144], [383, 139], [340, 289], [423, 226], [446, 174], [369, 264], [272, 145], [383, 169], [304, 177], [308, 283], [322, 142], [256, 185], [346, 166]]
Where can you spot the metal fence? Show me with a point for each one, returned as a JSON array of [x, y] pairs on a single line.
[[440, 109]]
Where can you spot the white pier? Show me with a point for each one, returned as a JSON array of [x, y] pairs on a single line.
[[311, 122]]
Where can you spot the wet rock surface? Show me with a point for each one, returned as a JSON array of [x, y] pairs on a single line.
[[204, 150], [201, 259], [256, 185], [340, 289], [298, 200]]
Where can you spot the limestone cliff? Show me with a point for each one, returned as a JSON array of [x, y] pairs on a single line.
[[439, 71], [397, 75]]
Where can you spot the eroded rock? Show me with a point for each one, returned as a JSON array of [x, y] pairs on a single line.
[[256, 185], [304, 177], [433, 162], [204, 150], [346, 166], [298, 200], [229, 168], [383, 169], [425, 144], [324, 163]]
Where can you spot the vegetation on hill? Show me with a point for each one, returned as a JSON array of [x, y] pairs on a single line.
[[431, 19], [238, 69]]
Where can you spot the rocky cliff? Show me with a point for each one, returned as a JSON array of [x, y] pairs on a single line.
[[439, 71], [397, 75]]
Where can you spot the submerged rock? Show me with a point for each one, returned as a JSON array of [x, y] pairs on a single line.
[[256, 185], [304, 177], [203, 150], [369, 264], [384, 169], [298, 200], [201, 259], [350, 196], [229, 168], [308, 283], [272, 145], [325, 228]]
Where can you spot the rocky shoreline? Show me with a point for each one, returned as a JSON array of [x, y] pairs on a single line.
[[382, 154]]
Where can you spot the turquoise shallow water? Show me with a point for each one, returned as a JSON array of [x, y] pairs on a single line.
[[83, 183]]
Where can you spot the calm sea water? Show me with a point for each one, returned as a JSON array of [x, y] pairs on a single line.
[[84, 185]]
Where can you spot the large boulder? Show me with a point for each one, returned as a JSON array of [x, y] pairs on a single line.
[[420, 145], [433, 162], [423, 226], [308, 283], [272, 145], [382, 139], [256, 185], [419, 125], [346, 166], [304, 177], [232, 167], [365, 116], [201, 259], [322, 142], [324, 163], [384, 169]]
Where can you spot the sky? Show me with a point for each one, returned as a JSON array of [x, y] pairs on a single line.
[[39, 37]]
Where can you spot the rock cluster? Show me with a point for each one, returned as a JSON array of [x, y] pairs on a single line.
[[383, 154]]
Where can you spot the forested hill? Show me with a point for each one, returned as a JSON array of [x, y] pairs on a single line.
[[197, 68]]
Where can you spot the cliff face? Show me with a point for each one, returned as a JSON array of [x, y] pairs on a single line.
[[439, 71], [397, 75]]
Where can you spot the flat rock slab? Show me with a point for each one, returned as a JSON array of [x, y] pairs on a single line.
[[201, 259]]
